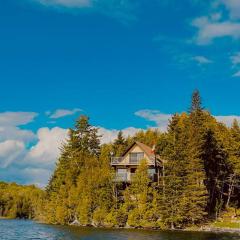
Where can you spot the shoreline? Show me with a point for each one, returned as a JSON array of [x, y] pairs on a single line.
[[217, 230], [208, 229]]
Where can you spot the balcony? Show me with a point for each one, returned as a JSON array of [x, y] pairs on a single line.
[[132, 160], [116, 160], [128, 177]]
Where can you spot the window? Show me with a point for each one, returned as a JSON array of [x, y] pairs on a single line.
[[121, 170], [121, 174], [136, 157], [151, 171]]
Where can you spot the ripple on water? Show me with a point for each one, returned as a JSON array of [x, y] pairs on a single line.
[[26, 230]]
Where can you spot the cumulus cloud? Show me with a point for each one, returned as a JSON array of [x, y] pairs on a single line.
[[12, 138], [59, 113], [34, 165], [228, 120], [10, 151], [15, 133], [39, 161], [161, 119], [109, 135], [233, 6], [47, 149], [208, 30], [38, 176], [202, 60], [17, 161], [10, 123]]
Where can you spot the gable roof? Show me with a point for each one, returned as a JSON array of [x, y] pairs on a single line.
[[143, 146]]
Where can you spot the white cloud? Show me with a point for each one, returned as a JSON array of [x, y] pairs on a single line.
[[10, 151], [9, 126], [15, 133], [16, 118], [109, 135], [12, 137], [228, 120], [233, 6], [161, 119], [235, 58], [67, 3], [123, 10], [45, 153], [208, 30], [38, 176], [202, 60], [216, 16], [237, 74], [59, 113]]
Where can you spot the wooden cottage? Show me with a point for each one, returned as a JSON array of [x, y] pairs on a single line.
[[126, 165]]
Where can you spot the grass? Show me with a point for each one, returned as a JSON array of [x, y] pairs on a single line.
[[225, 224], [229, 219]]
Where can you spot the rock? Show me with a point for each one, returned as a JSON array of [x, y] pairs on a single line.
[[75, 223]]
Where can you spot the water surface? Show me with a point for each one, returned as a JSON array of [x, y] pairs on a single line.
[[24, 230]]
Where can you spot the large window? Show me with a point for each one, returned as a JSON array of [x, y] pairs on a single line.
[[136, 157], [122, 174], [151, 173]]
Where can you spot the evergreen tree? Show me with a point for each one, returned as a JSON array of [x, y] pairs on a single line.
[[196, 104], [172, 150], [83, 144], [195, 193], [216, 170], [119, 145], [233, 181]]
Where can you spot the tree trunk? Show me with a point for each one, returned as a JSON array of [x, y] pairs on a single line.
[[230, 189]]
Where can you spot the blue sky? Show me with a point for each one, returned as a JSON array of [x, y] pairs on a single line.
[[128, 64]]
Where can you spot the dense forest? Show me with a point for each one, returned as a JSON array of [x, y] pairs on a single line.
[[201, 178], [20, 201]]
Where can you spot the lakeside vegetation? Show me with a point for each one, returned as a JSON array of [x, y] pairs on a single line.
[[201, 178], [20, 201]]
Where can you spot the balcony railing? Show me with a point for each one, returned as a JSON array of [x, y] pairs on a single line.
[[131, 161], [116, 160], [128, 177]]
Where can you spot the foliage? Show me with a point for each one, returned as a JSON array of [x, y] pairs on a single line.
[[20, 201], [199, 178]]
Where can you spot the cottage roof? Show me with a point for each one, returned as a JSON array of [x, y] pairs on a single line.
[[144, 147]]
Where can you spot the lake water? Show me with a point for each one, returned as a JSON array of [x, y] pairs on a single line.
[[24, 230]]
